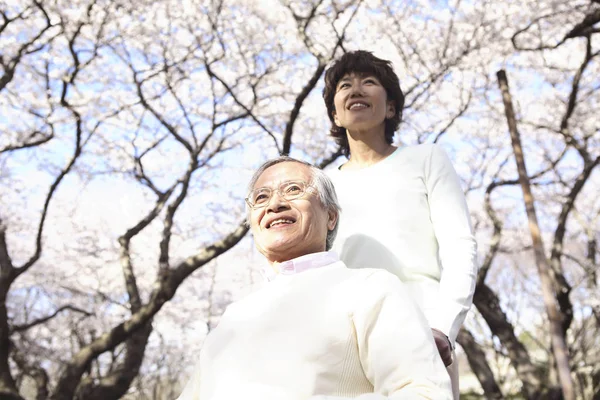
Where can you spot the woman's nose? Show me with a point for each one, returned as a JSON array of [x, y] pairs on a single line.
[[356, 90]]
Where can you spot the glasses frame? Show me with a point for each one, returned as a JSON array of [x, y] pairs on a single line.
[[304, 185]]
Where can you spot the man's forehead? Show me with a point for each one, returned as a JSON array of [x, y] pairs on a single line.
[[283, 172]]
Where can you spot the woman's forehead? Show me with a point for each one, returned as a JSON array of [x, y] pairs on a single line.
[[357, 74]]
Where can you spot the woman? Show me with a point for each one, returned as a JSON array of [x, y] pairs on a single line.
[[404, 209]]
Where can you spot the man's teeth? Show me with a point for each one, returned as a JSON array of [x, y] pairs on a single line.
[[358, 105], [281, 221]]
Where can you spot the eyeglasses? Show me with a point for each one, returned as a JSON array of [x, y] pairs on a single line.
[[287, 190]]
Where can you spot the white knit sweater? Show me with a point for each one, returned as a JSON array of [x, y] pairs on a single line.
[[326, 333], [408, 215]]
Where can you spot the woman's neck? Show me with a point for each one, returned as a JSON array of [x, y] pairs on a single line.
[[367, 149]]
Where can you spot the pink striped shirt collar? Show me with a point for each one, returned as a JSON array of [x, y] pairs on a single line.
[[301, 264]]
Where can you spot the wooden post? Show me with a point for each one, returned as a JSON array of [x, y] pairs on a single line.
[[559, 346]]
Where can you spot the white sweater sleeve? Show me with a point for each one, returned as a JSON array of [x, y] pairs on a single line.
[[395, 345], [457, 246]]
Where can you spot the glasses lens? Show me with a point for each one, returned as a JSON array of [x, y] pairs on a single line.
[[292, 190], [288, 191], [260, 197]]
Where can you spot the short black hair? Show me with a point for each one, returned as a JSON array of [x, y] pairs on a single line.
[[364, 63]]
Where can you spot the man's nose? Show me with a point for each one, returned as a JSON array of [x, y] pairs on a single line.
[[277, 203]]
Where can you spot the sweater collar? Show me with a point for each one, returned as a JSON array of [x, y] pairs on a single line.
[[301, 264]]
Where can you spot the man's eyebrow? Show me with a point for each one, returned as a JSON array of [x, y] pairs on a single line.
[[278, 185]]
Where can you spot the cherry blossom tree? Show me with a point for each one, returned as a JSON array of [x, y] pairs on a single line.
[[129, 130]]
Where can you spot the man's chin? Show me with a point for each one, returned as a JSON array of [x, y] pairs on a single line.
[[283, 250]]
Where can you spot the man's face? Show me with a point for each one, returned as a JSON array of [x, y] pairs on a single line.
[[288, 229]]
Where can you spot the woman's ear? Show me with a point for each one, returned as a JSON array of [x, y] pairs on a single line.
[[335, 119], [391, 109]]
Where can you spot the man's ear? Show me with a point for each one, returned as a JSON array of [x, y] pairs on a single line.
[[332, 220]]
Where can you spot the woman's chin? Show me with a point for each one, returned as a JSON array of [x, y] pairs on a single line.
[[365, 128]]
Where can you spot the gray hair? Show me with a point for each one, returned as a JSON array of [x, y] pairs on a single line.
[[319, 180]]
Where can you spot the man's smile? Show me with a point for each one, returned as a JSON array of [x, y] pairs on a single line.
[[280, 222]]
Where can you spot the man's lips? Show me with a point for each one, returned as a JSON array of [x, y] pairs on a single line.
[[279, 221]]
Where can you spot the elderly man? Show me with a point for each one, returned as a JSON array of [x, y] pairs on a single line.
[[317, 330]]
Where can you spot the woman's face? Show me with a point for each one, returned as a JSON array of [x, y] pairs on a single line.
[[361, 103]]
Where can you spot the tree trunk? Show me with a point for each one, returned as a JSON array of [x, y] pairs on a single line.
[[555, 319], [8, 388], [117, 383], [479, 365], [488, 304], [169, 282]]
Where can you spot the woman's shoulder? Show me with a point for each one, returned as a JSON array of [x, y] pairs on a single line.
[[422, 150], [425, 155], [332, 171], [371, 285], [410, 156], [370, 277]]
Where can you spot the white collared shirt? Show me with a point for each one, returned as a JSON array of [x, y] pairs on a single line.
[[300, 264]]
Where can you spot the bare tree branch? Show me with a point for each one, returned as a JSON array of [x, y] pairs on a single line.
[[583, 29], [564, 124], [36, 372], [29, 142], [451, 122], [29, 47], [562, 287], [586, 27], [289, 128], [331, 158], [322, 63], [39, 321], [166, 287], [213, 75]]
